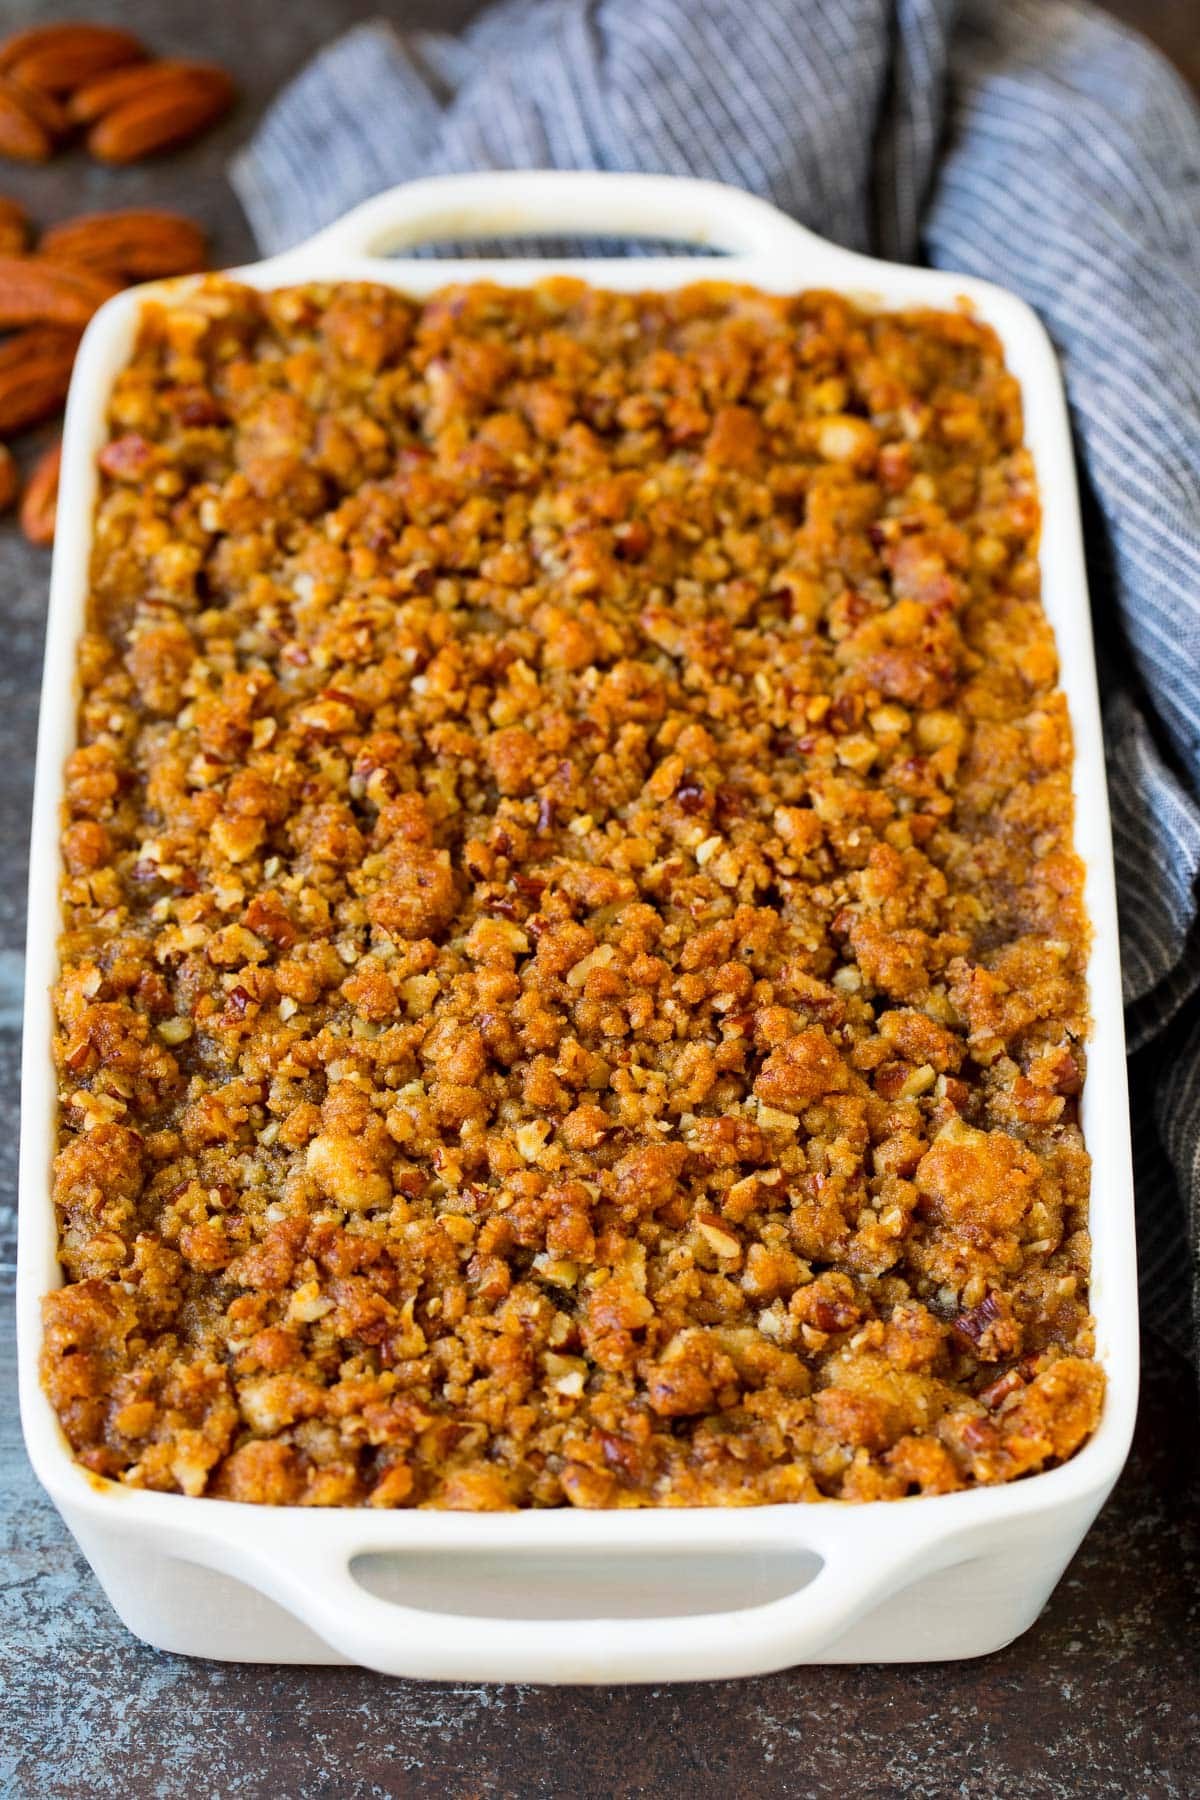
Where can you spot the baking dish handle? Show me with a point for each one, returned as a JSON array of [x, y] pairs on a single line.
[[532, 202], [321, 1588]]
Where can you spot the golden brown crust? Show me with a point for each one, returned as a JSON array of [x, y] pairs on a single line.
[[573, 968]]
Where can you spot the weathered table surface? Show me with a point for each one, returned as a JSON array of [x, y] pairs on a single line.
[[1100, 1699]]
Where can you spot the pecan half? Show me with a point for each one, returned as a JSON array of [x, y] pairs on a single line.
[[48, 112], [37, 290], [14, 227], [24, 137], [57, 58], [166, 113], [136, 245], [35, 373], [10, 479], [39, 503], [103, 95]]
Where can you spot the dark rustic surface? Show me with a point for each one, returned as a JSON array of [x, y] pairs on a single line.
[[1099, 1700]]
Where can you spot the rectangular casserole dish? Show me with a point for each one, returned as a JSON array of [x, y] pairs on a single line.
[[567, 1596]]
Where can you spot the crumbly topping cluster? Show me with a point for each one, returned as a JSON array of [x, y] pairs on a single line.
[[573, 960]]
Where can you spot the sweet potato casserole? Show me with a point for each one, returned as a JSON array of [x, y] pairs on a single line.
[[573, 968]]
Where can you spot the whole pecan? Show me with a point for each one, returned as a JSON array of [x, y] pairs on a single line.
[[38, 290], [35, 373], [40, 500], [136, 245], [165, 113]]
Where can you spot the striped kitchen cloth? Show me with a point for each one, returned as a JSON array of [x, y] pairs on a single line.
[[1033, 142]]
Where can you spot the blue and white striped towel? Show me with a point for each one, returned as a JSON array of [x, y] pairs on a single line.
[[1030, 141]]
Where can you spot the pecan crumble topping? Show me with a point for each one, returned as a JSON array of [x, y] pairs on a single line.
[[573, 973]]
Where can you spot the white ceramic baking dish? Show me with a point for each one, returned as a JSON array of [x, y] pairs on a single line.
[[568, 1596]]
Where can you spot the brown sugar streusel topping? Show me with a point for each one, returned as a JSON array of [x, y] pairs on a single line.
[[573, 960]]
